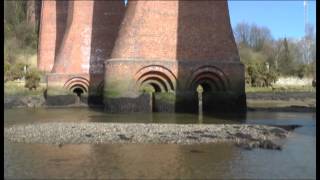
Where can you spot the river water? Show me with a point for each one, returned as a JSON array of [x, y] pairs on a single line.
[[297, 160]]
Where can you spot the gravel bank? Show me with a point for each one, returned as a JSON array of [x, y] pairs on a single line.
[[96, 133]]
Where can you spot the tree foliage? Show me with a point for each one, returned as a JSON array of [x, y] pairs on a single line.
[[20, 39], [266, 58]]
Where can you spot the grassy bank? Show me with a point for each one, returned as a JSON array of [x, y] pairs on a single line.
[[16, 88], [281, 89]]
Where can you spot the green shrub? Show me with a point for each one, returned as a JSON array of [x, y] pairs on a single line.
[[258, 75], [17, 71], [7, 67], [303, 70], [32, 79]]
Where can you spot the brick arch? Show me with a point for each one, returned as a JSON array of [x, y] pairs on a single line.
[[157, 74], [77, 82], [156, 84], [212, 75]]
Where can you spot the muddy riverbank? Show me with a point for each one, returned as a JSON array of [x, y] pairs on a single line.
[[273, 102], [282, 102]]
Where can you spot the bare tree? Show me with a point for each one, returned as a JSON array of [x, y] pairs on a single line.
[[242, 33]]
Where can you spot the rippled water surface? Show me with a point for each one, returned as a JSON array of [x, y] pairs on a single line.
[[165, 161]]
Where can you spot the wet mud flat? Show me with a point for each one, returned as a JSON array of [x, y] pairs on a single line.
[[247, 136], [282, 101]]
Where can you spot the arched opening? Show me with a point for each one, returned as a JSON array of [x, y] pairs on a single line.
[[160, 83], [152, 88], [206, 87], [203, 92], [78, 92], [155, 87]]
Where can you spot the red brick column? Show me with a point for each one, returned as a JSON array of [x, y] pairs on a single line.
[[74, 54], [47, 36]]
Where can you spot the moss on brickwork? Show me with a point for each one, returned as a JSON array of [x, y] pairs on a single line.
[[54, 91], [119, 88], [111, 94], [147, 89], [166, 97]]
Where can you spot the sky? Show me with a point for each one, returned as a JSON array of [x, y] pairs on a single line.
[[283, 18]]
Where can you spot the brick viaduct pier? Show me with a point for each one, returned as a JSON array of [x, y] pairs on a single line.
[[141, 57]]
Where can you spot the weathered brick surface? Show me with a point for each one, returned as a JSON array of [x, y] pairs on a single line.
[[47, 36], [171, 45], [75, 38], [52, 28], [176, 30], [74, 53]]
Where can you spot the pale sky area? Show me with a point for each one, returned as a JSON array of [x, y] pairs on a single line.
[[283, 18]]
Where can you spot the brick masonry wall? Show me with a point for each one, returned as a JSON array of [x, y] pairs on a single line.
[[189, 30], [125, 47]]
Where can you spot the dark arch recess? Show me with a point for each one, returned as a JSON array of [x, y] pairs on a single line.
[[211, 74], [78, 86], [152, 82], [163, 75], [156, 72], [210, 77], [156, 87], [213, 84], [157, 80]]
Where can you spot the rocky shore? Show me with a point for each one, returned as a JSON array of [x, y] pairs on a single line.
[[247, 136], [23, 101]]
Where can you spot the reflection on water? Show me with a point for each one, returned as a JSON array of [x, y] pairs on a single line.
[[214, 161], [13, 116]]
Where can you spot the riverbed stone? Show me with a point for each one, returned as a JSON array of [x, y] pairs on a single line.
[[97, 133]]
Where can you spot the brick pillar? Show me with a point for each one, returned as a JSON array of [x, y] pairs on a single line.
[[52, 27], [173, 46], [90, 31], [47, 36], [74, 53]]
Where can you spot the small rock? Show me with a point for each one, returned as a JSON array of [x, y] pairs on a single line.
[[123, 137], [192, 137], [196, 151], [88, 135]]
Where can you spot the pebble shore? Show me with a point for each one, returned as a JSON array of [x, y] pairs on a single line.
[[248, 136]]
